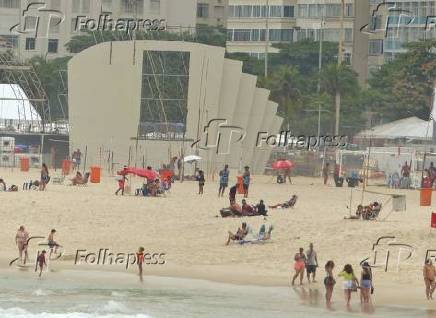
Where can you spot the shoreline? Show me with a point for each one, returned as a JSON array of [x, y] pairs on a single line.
[[387, 294]]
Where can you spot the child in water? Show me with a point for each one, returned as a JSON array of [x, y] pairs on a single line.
[[41, 262]]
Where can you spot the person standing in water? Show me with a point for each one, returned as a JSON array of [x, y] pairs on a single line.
[[224, 180], [299, 266], [429, 274], [350, 282], [140, 261], [312, 263], [329, 282], [21, 240], [41, 262]]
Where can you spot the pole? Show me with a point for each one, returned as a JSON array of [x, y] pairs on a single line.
[[340, 59], [266, 38], [321, 38]]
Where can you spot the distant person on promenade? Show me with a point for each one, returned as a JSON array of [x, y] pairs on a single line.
[[140, 262], [201, 181], [311, 263], [287, 174], [41, 262], [246, 180], [350, 282], [76, 158], [121, 185], [21, 239], [45, 177], [429, 274], [325, 172], [329, 281], [224, 180], [365, 283], [299, 266]]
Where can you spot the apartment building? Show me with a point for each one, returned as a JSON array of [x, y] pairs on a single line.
[[212, 12], [287, 21], [44, 30], [397, 23]]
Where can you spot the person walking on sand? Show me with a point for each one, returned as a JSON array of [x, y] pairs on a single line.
[[201, 181], [246, 180], [41, 262], [224, 180], [350, 282], [21, 240], [299, 265], [45, 177], [140, 261], [365, 283], [325, 173], [312, 263], [121, 185], [329, 281], [429, 274]]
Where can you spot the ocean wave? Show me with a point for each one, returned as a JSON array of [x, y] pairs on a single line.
[[22, 313]]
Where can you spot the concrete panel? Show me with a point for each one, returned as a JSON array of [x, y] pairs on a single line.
[[258, 111], [241, 116], [267, 120]]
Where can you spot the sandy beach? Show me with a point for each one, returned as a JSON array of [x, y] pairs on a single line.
[[184, 226]]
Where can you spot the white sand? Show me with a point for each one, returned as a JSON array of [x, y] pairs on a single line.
[[183, 225]]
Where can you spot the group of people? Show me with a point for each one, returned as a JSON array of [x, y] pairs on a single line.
[[22, 239], [308, 262], [154, 188], [242, 232], [368, 212]]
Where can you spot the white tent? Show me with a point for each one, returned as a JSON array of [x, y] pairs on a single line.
[[14, 104], [407, 128]]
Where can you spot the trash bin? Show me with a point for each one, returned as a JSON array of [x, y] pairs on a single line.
[[66, 167], [24, 164], [95, 174], [425, 196]]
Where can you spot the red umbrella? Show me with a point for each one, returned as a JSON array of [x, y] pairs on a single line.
[[145, 173], [282, 164]]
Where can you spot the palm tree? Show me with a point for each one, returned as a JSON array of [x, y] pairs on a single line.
[[338, 80]]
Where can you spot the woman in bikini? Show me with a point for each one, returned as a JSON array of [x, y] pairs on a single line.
[[365, 283], [44, 177], [21, 239], [350, 282], [299, 266], [140, 260], [329, 281], [429, 274], [240, 234]]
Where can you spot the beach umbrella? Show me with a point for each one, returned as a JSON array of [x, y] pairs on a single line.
[[282, 164], [191, 158]]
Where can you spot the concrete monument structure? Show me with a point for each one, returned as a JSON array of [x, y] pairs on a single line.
[[145, 102]]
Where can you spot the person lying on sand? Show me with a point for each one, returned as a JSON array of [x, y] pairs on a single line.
[[286, 205], [240, 234], [235, 208], [79, 179]]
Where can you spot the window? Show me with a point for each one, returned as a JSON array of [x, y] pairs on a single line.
[[257, 11], [219, 12], [246, 11], [313, 10], [8, 41], [53, 45], [288, 11], [275, 11], [30, 23], [132, 7], [202, 10], [30, 44], [375, 23], [55, 23], [10, 4], [333, 10], [349, 10], [242, 35], [375, 47], [303, 10], [348, 35]]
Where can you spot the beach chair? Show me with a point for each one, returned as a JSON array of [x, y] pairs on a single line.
[[261, 237], [374, 213]]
